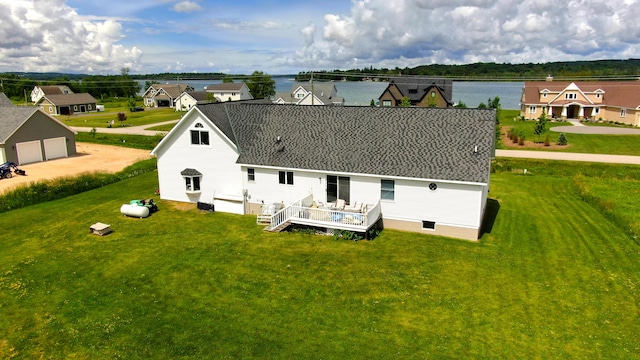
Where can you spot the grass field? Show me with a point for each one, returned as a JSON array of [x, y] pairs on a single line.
[[578, 143], [556, 276]]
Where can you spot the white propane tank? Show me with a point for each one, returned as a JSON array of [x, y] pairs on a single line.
[[134, 210]]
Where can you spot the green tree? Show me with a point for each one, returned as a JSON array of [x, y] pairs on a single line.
[[131, 104], [406, 102], [372, 103], [460, 104], [541, 126], [227, 79], [261, 85], [562, 140], [211, 98]]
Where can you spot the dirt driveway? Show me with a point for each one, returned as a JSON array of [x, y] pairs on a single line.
[[89, 158]]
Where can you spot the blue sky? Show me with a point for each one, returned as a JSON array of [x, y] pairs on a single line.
[[285, 37]]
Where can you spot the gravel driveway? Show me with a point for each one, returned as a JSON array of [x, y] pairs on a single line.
[[89, 158]]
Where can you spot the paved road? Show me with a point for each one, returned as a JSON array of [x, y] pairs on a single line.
[[579, 128], [548, 155], [130, 130]]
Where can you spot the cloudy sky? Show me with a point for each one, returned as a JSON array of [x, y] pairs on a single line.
[[285, 37]]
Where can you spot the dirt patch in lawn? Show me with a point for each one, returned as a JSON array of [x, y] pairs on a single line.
[[89, 158], [528, 144]]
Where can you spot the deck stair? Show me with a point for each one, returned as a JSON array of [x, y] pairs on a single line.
[[283, 225]]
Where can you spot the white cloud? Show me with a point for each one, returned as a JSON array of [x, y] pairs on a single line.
[[56, 38], [413, 32], [186, 7]]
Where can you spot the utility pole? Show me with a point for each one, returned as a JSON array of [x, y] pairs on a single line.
[[312, 93]]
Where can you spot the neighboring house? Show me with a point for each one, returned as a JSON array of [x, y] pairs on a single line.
[[189, 99], [68, 104], [310, 94], [5, 101], [607, 100], [229, 91], [29, 135], [163, 95], [39, 91], [425, 92], [334, 167]]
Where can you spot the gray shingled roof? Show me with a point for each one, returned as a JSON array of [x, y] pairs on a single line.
[[415, 88], [427, 143], [71, 99], [190, 172], [198, 95], [4, 101], [11, 118]]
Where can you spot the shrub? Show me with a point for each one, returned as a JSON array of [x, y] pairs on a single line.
[[122, 116], [562, 140], [546, 141], [521, 140]]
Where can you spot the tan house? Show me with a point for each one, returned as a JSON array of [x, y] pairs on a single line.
[[68, 104], [596, 100], [39, 91], [163, 95], [424, 92]]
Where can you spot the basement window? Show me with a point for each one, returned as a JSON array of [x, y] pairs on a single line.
[[428, 225]]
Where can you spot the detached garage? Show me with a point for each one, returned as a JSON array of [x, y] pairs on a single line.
[[28, 135]]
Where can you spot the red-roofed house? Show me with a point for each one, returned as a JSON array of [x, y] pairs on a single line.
[[606, 100]]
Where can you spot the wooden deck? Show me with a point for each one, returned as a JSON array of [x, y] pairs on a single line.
[[297, 213]]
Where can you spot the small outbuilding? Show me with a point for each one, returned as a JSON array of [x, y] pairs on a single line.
[[28, 135]]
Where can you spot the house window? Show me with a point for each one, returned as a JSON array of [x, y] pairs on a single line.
[[387, 189], [433, 94], [623, 112], [192, 179], [285, 177], [386, 102], [199, 137], [570, 96], [299, 95], [75, 107], [429, 225], [596, 110], [89, 106], [433, 186], [251, 174], [544, 95], [533, 109], [50, 109], [192, 183], [597, 96]]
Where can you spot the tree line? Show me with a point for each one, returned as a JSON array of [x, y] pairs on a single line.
[[19, 86], [596, 69]]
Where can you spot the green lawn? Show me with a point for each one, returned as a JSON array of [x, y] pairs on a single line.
[[556, 277], [579, 143], [100, 119]]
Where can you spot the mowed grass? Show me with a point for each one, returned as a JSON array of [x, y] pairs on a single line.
[[100, 119], [553, 278], [578, 143]]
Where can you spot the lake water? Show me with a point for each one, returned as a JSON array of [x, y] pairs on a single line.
[[472, 93]]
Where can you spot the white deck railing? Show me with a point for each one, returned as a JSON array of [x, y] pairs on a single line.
[[323, 217]]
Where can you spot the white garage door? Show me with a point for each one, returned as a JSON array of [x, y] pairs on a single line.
[[55, 148], [29, 152]]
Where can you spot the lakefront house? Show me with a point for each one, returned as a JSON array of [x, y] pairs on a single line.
[[350, 168]]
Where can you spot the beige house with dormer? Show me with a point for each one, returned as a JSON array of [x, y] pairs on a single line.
[[596, 100]]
